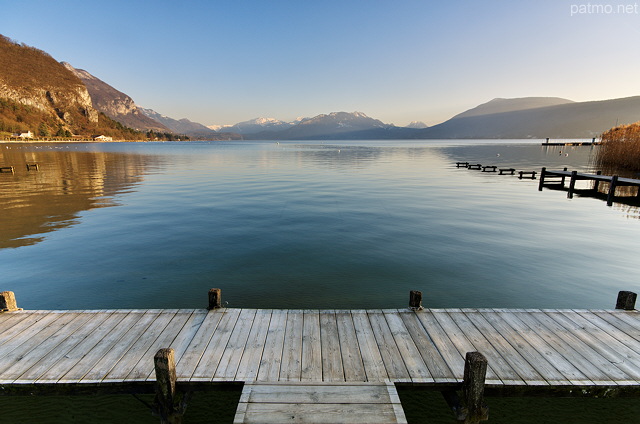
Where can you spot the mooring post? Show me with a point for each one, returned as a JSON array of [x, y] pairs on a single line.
[[626, 300], [475, 371], [541, 183], [415, 300], [8, 302], [215, 299], [572, 184], [165, 366], [612, 190], [596, 183], [564, 177]]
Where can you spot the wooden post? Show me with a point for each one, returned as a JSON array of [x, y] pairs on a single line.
[[612, 190], [626, 300], [564, 177], [596, 183], [415, 300], [572, 184], [165, 366], [215, 299], [541, 183], [475, 371], [8, 302]]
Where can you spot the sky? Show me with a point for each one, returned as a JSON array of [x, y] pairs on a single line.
[[223, 62]]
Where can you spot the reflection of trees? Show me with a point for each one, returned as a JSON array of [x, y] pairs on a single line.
[[68, 182]]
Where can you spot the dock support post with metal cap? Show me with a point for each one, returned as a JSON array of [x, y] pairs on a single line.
[[626, 300], [215, 299], [475, 371], [415, 300], [8, 302], [166, 393]]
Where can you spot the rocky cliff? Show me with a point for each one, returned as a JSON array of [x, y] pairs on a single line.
[[31, 78], [115, 104]]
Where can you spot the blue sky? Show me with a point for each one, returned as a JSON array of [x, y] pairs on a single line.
[[221, 62]]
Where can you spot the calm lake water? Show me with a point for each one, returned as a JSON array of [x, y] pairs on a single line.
[[308, 225]]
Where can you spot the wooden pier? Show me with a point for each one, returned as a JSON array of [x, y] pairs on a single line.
[[309, 364], [559, 178], [593, 142]]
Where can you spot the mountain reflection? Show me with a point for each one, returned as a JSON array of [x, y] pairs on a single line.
[[67, 182]]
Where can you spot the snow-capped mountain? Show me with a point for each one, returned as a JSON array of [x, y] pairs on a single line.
[[254, 126]]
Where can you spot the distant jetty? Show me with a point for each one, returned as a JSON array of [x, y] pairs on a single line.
[[594, 142]]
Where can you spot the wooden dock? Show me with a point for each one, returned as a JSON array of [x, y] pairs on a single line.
[[348, 357], [559, 178]]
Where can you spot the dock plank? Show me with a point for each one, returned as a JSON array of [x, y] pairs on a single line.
[[349, 348], [418, 370], [371, 356], [208, 364], [274, 344], [230, 360], [186, 363], [311, 347], [332, 368], [391, 356], [291, 366], [250, 362]]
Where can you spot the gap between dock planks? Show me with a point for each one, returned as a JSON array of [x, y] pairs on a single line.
[[524, 348]]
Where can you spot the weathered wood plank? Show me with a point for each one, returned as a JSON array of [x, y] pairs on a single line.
[[434, 361], [37, 356], [349, 348], [311, 347], [332, 369], [291, 366], [571, 375], [73, 335], [186, 363], [118, 343], [274, 344], [626, 321], [371, 357], [464, 344], [250, 362], [139, 348], [319, 403], [230, 360], [418, 371], [500, 340], [144, 367], [208, 364], [391, 356], [89, 353], [25, 331], [185, 336], [536, 320], [36, 336]]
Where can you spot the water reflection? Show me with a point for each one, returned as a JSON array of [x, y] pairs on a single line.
[[69, 179]]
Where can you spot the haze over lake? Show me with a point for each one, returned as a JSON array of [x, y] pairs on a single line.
[[306, 225]]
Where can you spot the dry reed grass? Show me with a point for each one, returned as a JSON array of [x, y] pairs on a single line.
[[620, 148]]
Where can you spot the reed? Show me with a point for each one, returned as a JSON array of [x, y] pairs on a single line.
[[620, 148]]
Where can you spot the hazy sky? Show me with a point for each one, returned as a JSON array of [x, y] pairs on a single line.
[[221, 62]]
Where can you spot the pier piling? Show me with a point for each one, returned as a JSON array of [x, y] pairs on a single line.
[[8, 302], [626, 300], [415, 300], [215, 299], [475, 371]]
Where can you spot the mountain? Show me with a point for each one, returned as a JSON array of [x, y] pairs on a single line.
[[190, 128], [115, 104], [39, 94], [499, 105], [333, 126], [255, 125], [510, 118], [417, 125]]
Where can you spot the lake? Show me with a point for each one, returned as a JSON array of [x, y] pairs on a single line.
[[308, 225]]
